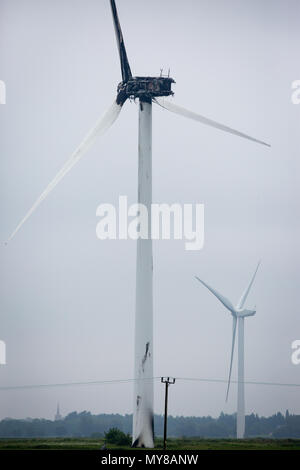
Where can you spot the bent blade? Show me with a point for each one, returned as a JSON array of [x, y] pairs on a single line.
[[102, 125], [219, 296], [174, 108], [234, 322], [125, 67]]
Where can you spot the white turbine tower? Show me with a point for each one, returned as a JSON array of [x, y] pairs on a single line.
[[147, 90], [238, 316]]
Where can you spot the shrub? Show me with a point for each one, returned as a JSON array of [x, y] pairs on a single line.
[[115, 436]]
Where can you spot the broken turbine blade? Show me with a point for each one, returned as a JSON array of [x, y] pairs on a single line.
[[102, 125], [125, 67], [174, 108]]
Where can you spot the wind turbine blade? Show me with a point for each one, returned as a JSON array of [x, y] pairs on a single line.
[[125, 67], [101, 126], [174, 108], [219, 296], [245, 294], [234, 321]]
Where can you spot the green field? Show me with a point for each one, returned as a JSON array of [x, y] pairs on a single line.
[[173, 444]]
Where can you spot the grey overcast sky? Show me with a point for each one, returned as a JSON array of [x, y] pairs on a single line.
[[67, 298]]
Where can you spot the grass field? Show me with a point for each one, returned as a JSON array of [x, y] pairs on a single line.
[[173, 444]]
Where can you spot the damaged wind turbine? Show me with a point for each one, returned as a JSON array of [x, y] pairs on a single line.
[[147, 90], [239, 313]]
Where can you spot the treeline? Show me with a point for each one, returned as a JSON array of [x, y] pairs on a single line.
[[87, 425]]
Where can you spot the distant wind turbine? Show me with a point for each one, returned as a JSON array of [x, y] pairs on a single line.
[[238, 315], [147, 90]]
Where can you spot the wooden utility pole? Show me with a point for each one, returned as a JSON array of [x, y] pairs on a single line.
[[167, 381]]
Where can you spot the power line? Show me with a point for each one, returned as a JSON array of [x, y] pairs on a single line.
[[248, 382], [71, 384], [120, 381]]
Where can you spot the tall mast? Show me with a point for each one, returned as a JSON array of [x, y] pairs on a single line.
[[143, 434], [240, 421]]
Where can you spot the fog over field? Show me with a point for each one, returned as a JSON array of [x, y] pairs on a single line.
[[67, 298]]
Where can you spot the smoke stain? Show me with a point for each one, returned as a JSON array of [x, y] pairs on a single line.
[[146, 355]]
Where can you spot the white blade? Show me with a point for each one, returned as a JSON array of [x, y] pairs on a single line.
[[101, 126], [245, 294], [234, 321], [219, 296], [174, 108]]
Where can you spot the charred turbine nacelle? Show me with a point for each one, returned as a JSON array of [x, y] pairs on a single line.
[[144, 88]]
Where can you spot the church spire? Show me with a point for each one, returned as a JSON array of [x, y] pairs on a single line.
[[58, 416]]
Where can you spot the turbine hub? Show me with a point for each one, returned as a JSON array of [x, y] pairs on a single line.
[[144, 88]]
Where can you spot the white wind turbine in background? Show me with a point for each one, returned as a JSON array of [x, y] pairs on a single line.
[[238, 315], [147, 90]]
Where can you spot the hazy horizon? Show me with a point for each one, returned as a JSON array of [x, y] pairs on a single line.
[[67, 298]]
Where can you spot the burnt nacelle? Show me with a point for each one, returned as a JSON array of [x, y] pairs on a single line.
[[144, 88]]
